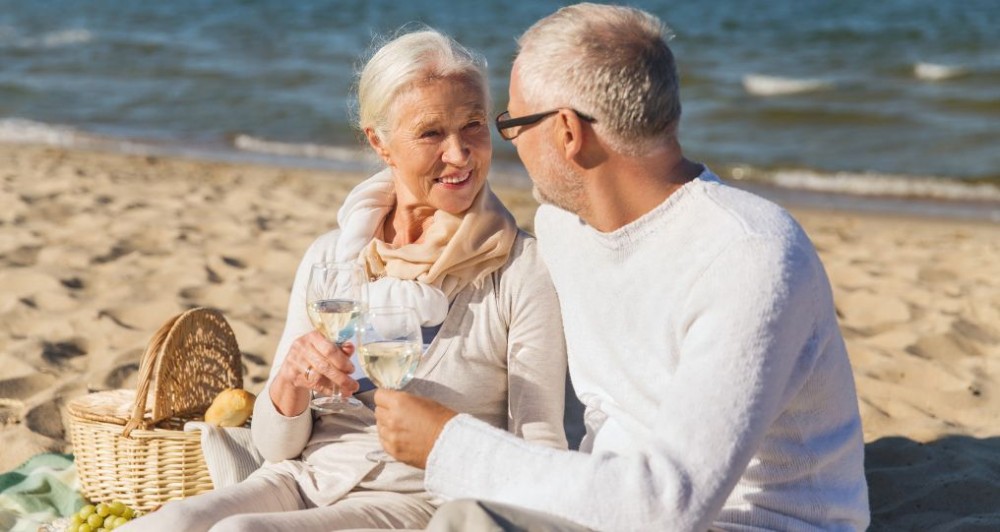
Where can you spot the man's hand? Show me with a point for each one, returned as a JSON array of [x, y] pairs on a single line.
[[409, 425]]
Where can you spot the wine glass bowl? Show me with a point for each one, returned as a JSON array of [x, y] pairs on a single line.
[[391, 346], [335, 295]]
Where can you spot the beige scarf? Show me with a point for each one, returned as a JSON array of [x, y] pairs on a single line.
[[456, 250]]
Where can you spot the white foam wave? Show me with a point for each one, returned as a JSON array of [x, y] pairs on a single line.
[[66, 38], [54, 39], [28, 131], [936, 72], [21, 131], [761, 85], [313, 151], [872, 184]]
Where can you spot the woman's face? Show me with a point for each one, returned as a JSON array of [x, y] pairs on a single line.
[[439, 144]]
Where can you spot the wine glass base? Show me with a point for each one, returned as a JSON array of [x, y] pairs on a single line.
[[380, 456], [333, 405]]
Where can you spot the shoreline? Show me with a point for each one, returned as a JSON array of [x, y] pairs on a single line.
[[98, 249], [933, 197]]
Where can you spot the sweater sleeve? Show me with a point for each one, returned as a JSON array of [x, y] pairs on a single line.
[[536, 351], [276, 436], [749, 322]]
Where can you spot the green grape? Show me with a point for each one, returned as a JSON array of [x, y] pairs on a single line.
[[119, 521], [129, 513], [84, 528], [117, 508], [87, 510], [76, 520], [103, 510], [95, 521]]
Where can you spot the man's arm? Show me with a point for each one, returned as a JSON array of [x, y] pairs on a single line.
[[751, 318]]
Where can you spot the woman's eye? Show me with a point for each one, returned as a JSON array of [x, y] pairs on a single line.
[[475, 124], [428, 134]]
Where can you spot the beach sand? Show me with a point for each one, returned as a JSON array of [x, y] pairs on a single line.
[[98, 250]]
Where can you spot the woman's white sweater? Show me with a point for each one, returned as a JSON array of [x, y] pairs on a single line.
[[498, 356], [703, 340]]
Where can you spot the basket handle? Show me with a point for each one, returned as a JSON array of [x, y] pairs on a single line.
[[146, 369]]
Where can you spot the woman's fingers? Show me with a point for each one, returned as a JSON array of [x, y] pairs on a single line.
[[330, 365]]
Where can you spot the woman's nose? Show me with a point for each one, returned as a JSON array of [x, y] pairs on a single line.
[[456, 153]]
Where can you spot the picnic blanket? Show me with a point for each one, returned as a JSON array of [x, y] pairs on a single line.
[[39, 491]]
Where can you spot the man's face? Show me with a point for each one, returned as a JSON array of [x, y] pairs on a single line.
[[554, 181]]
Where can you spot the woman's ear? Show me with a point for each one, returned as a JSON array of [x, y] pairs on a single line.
[[376, 143]]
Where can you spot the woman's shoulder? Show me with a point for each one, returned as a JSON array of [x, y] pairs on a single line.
[[522, 252], [524, 264]]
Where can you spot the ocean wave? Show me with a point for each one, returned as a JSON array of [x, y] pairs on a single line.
[[936, 72], [870, 184], [312, 151], [54, 39], [761, 85], [22, 131]]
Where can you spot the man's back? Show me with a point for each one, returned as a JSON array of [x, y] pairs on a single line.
[[704, 334]]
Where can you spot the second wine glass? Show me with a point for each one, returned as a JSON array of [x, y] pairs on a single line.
[[391, 349], [335, 296]]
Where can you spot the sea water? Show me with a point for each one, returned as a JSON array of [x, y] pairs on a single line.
[[893, 98]]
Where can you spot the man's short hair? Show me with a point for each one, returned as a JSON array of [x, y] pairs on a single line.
[[611, 62]]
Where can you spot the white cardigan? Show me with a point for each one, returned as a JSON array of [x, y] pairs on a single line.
[[499, 356], [703, 340]]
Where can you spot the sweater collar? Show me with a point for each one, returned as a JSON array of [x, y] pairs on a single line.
[[662, 213]]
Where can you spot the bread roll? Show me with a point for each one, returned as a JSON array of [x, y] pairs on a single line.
[[231, 408]]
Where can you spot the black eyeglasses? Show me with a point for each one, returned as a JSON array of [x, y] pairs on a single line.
[[509, 128]]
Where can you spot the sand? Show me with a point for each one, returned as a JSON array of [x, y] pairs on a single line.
[[97, 250]]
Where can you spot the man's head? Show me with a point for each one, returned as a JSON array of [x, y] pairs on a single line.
[[609, 62]]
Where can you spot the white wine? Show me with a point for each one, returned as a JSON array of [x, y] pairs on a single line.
[[334, 317], [390, 364]]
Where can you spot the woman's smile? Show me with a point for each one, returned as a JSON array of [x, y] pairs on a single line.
[[455, 180]]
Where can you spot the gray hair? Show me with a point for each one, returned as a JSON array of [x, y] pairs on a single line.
[[611, 62], [407, 60]]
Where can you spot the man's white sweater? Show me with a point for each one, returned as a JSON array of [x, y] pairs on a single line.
[[703, 340]]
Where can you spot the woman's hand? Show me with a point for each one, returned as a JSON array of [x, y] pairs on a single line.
[[312, 363]]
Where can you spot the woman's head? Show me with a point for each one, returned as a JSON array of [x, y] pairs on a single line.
[[423, 104]]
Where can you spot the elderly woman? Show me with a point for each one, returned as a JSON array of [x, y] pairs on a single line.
[[433, 236]]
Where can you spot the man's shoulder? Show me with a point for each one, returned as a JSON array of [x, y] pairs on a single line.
[[554, 225], [743, 213]]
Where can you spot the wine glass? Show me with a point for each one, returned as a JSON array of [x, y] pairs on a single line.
[[391, 348], [335, 295]]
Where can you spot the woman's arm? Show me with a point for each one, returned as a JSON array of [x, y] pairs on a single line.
[[536, 349], [282, 421]]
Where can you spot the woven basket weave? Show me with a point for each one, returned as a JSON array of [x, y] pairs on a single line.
[[138, 453]]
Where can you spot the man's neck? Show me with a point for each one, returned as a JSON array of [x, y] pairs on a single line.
[[625, 188]]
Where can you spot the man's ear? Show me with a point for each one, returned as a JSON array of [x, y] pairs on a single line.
[[577, 141], [569, 134], [376, 143]]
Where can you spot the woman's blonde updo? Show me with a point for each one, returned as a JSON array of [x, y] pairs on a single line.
[[409, 59]]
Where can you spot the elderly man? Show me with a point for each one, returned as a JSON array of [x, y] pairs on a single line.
[[700, 324]]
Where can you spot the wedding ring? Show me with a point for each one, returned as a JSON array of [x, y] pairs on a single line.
[[309, 372]]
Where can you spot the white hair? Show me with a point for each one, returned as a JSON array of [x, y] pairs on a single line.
[[610, 62], [407, 60]]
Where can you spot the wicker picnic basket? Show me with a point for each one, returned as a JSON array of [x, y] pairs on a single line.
[[139, 454]]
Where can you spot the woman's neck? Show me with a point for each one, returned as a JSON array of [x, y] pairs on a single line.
[[405, 224]]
